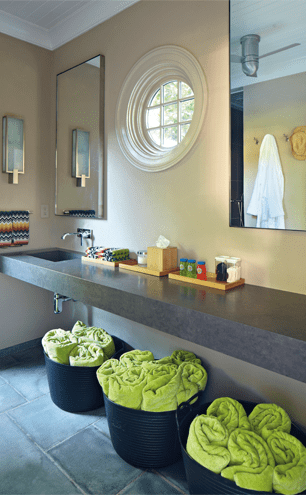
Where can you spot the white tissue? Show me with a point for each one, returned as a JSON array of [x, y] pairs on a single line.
[[162, 242]]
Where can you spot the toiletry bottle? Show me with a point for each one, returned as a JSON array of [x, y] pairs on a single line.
[[183, 266], [201, 271], [192, 269]]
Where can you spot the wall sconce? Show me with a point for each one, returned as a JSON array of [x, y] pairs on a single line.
[[80, 156], [12, 148]]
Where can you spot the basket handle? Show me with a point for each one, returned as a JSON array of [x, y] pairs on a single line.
[[185, 407]]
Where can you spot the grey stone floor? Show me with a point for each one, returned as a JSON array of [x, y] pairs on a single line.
[[47, 451]]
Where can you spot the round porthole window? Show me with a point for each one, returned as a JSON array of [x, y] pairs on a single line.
[[161, 108]]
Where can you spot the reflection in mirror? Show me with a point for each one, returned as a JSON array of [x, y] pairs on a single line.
[[268, 95], [79, 161]]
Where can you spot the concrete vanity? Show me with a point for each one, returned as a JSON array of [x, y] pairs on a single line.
[[265, 327]]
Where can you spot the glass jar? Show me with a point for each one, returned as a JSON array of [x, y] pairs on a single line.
[[183, 267], [192, 269], [237, 265], [201, 271], [221, 268], [142, 258]]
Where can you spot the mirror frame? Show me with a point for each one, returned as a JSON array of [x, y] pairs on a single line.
[[101, 152]]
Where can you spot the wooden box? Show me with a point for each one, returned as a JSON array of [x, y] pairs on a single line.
[[161, 259]]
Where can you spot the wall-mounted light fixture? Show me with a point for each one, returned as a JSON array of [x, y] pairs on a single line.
[[80, 156], [12, 148]]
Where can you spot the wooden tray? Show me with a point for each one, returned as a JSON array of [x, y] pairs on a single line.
[[210, 282], [99, 261], [143, 269]]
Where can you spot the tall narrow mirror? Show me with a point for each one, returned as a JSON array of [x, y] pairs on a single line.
[[79, 162], [268, 95]]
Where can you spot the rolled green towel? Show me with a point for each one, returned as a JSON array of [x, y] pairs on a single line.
[[230, 412], [165, 360], [207, 441], [289, 475], [107, 369], [160, 391], [193, 379], [104, 339], [178, 357], [266, 418], [87, 354], [252, 463], [135, 357], [126, 388], [78, 328], [58, 344]]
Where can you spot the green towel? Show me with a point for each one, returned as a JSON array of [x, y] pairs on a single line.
[[58, 344], [289, 475], [126, 388], [230, 412], [87, 354], [160, 391], [207, 441], [136, 356], [266, 418], [193, 379], [178, 357], [165, 360], [78, 328], [107, 369], [252, 463]]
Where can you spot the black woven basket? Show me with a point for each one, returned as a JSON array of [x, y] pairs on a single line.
[[144, 439], [76, 388], [200, 480]]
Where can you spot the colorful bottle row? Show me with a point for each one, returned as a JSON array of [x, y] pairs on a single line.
[[192, 269]]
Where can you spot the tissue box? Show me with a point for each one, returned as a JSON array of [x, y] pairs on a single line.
[[161, 259]]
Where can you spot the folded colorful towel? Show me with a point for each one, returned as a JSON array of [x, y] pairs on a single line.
[[207, 441], [230, 412], [266, 418], [178, 357], [126, 388], [107, 369], [6, 227], [160, 391], [251, 461], [289, 475], [193, 379], [87, 354], [58, 344], [20, 227], [135, 357]]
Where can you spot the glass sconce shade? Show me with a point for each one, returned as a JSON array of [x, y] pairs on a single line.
[[13, 148], [80, 156]]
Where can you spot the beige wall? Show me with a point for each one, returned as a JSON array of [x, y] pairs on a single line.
[[276, 107]]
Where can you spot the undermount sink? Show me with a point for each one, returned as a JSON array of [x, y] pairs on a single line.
[[56, 255]]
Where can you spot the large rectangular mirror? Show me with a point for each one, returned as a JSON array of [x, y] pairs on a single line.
[[268, 114], [79, 161]]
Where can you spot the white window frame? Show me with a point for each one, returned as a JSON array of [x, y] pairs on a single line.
[[155, 68]]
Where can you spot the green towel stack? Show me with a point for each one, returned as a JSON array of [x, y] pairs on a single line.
[[58, 344], [83, 346], [262, 455], [157, 385]]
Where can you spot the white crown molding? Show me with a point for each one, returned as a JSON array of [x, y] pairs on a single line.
[[89, 17]]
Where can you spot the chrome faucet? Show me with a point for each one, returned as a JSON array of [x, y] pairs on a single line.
[[82, 233]]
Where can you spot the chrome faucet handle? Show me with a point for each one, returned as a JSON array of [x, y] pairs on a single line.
[[84, 234]]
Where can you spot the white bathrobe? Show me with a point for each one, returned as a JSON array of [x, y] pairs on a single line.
[[267, 197]]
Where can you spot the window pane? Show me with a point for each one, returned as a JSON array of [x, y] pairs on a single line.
[[185, 90], [170, 137], [153, 117], [155, 136], [170, 114], [184, 130], [170, 91], [155, 99], [186, 109]]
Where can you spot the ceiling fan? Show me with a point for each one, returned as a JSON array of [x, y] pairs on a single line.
[[250, 54]]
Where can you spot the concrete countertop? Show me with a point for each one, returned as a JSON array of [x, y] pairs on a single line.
[[265, 327]]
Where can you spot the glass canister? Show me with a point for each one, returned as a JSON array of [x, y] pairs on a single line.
[[184, 267], [237, 265], [192, 269], [201, 271], [142, 258], [221, 268]]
